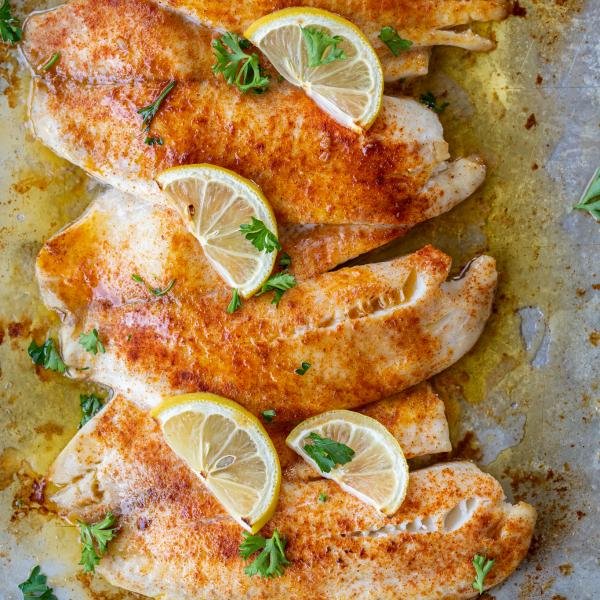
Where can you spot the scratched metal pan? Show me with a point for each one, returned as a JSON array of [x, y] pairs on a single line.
[[523, 404]]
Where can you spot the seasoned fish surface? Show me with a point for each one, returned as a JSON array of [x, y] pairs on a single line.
[[312, 170], [176, 542], [368, 331]]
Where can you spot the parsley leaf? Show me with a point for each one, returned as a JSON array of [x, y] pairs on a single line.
[[285, 260], [95, 538], [322, 48], [90, 404], [46, 356], [152, 290], [235, 303], [50, 62], [268, 415], [153, 140], [239, 68], [91, 342], [430, 101], [10, 27], [389, 36], [271, 561], [303, 368], [261, 238], [278, 283], [482, 568], [149, 112], [327, 453], [590, 199], [35, 587], [323, 497]]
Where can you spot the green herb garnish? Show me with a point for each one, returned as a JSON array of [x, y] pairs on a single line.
[[95, 538], [482, 568], [35, 587], [46, 356], [321, 47], [238, 68], [235, 303], [271, 561], [10, 27], [153, 140], [50, 62], [389, 36], [268, 415], [430, 101], [153, 290], [279, 283], [305, 366], [327, 453], [285, 260], [91, 342], [149, 112], [260, 236], [323, 497], [590, 199], [90, 404]]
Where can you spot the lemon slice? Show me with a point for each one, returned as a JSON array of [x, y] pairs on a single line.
[[228, 449], [214, 202], [349, 90], [377, 473]]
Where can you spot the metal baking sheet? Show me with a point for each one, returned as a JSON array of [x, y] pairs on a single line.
[[524, 403]]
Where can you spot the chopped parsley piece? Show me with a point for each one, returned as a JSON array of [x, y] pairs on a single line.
[[268, 415], [260, 236], [327, 453], [430, 101], [35, 587], [154, 140], [153, 290], [323, 497], [303, 368], [91, 404], [10, 27], [285, 260], [46, 356], [389, 36], [321, 47], [278, 283], [95, 538], [91, 342], [149, 112], [235, 303], [238, 68], [482, 567], [50, 62], [590, 200], [271, 561]]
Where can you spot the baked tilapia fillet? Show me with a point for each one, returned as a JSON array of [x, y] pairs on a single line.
[[117, 55], [425, 23], [175, 542], [368, 331]]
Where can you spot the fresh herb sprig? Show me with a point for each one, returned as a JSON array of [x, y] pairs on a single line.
[[50, 62], [321, 47], [236, 302], [482, 567], [430, 101], [237, 66], [268, 415], [389, 36], [279, 283], [271, 561], [285, 260], [91, 342], [153, 140], [305, 366], [47, 356], [155, 291], [149, 112], [35, 586], [94, 538], [10, 26], [590, 199], [327, 453], [91, 404], [260, 236]]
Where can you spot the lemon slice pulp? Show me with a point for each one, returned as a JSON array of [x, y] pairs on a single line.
[[214, 203], [229, 449], [377, 473], [349, 90]]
